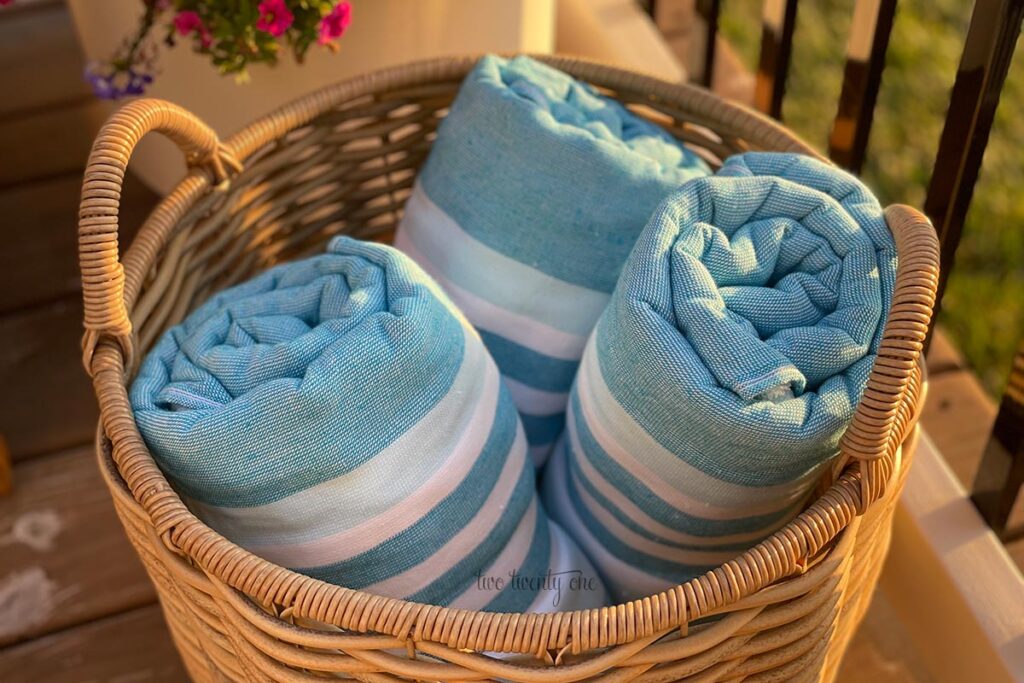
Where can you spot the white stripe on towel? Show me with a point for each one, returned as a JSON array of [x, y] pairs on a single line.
[[538, 401], [521, 329], [472, 265]]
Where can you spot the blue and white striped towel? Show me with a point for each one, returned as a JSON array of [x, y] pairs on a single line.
[[340, 417], [725, 370], [534, 192]]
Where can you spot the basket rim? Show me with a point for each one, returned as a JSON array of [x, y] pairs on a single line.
[[866, 464]]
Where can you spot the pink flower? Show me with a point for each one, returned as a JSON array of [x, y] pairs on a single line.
[[275, 17], [334, 24], [188, 22], [6, 2]]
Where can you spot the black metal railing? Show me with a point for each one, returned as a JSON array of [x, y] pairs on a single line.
[[1001, 472], [710, 10], [988, 49]]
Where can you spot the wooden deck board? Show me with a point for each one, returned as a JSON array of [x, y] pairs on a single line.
[[49, 143], [130, 647], [958, 417], [881, 651], [41, 236], [53, 407], [943, 356], [40, 62], [62, 549]]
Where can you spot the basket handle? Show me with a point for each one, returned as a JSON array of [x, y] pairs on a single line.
[[98, 255], [884, 415]]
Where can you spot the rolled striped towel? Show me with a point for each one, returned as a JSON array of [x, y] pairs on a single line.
[[338, 416], [533, 194], [720, 379]]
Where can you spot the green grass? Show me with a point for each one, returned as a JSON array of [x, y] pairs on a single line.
[[983, 309]]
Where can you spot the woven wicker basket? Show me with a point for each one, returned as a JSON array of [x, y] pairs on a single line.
[[343, 160]]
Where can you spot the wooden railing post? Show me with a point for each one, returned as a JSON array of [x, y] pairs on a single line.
[[778, 24], [862, 77]]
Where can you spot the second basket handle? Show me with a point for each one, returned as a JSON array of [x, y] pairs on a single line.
[[99, 259], [878, 425]]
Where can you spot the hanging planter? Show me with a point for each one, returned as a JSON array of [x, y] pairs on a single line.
[[231, 36], [381, 33]]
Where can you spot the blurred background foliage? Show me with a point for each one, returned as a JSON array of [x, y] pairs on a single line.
[[983, 309]]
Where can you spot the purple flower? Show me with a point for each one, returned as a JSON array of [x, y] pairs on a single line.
[[334, 24], [111, 82], [275, 17]]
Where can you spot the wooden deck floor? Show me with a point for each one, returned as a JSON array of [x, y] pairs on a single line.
[[75, 604]]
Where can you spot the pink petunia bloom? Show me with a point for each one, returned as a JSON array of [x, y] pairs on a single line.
[[188, 22], [334, 24], [275, 17]]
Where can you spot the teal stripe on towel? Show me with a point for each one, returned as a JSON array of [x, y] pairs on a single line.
[[543, 428], [529, 367], [518, 596]]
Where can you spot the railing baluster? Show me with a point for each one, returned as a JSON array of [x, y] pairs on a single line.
[[777, 26], [991, 38], [709, 10], [1001, 472], [865, 60]]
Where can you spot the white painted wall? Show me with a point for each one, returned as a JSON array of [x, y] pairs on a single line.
[[617, 32]]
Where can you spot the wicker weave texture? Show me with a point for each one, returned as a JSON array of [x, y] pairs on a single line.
[[343, 160]]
